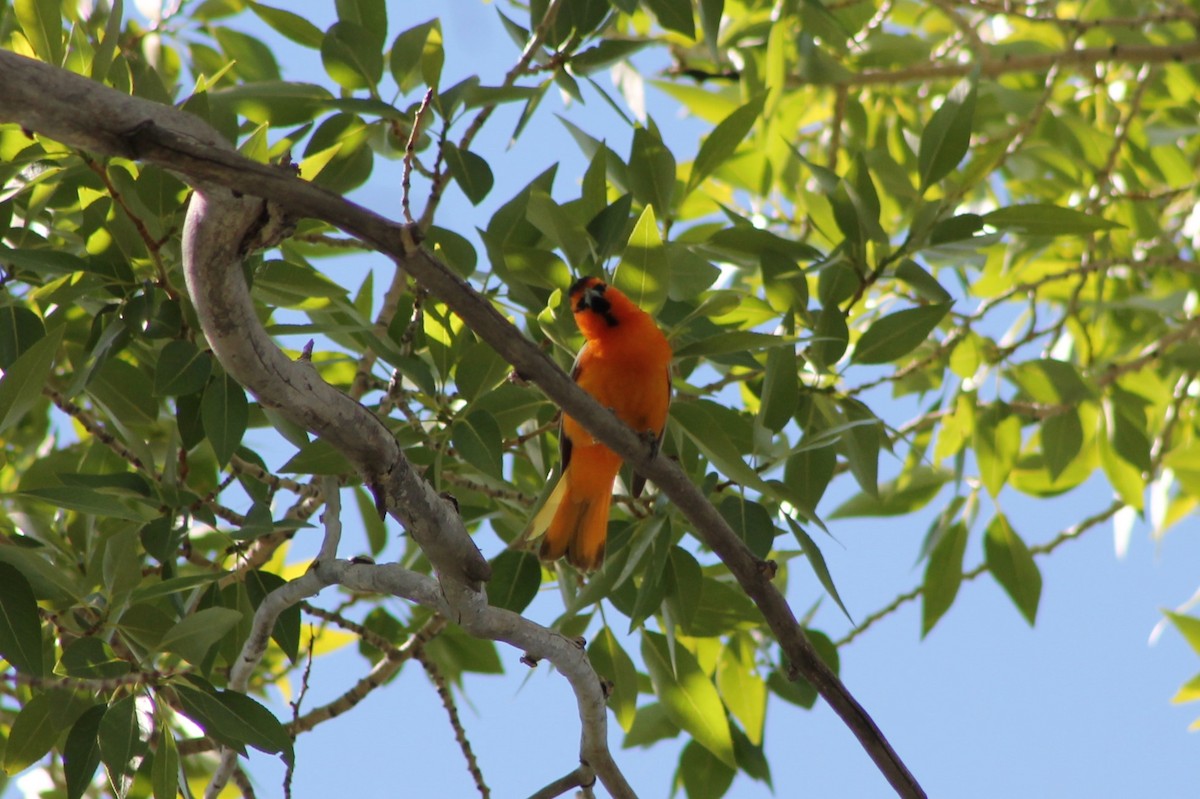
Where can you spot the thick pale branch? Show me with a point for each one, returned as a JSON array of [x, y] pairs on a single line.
[[216, 235], [143, 135]]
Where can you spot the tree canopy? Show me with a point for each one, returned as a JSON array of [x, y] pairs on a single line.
[[924, 261]]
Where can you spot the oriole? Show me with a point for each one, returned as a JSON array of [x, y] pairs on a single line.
[[625, 364]]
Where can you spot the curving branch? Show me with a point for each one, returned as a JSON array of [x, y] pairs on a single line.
[[76, 111]]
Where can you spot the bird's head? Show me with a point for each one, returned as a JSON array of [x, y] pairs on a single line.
[[591, 298]]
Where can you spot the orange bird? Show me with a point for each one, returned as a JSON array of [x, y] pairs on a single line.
[[625, 365]]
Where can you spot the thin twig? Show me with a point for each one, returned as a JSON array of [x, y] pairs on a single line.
[[460, 733]]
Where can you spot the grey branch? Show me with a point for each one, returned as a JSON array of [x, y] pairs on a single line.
[[145, 131]]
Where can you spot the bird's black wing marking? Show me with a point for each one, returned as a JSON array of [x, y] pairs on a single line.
[[564, 441]]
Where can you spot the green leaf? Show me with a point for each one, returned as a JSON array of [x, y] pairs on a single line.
[[674, 15], [807, 474], [644, 273], [724, 140], [258, 725], [1051, 382], [612, 663], [742, 690], [516, 576], [652, 170], [705, 423], [38, 726], [1012, 565], [710, 22], [781, 386], [897, 334], [650, 726], [271, 102], [252, 59], [92, 658], [455, 652], [558, 225], [1189, 627], [470, 172], [943, 575], [997, 440], [1125, 478], [224, 412], [688, 696], [286, 632], [911, 491], [703, 775], [370, 14], [22, 383], [81, 752], [1043, 219], [48, 581], [479, 370], [121, 742], [194, 634], [20, 328], [1126, 417], [20, 625], [122, 564], [293, 26], [234, 719], [955, 228], [164, 771], [376, 529], [947, 137], [684, 586], [182, 369], [348, 57], [478, 441], [1062, 439], [732, 341], [407, 51], [751, 521], [800, 691], [817, 561], [860, 442], [96, 503], [41, 21], [830, 339], [723, 609], [922, 282]]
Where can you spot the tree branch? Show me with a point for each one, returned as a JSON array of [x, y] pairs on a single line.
[[33, 95]]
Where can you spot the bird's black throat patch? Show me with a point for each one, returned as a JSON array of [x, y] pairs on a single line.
[[593, 299]]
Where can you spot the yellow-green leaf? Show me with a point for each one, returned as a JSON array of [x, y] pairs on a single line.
[[688, 696]]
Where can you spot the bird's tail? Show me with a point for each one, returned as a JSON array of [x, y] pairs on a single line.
[[575, 521]]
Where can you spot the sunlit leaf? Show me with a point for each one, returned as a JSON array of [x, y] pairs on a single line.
[[947, 136], [1040, 219], [1012, 565], [688, 696], [612, 663], [943, 576]]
